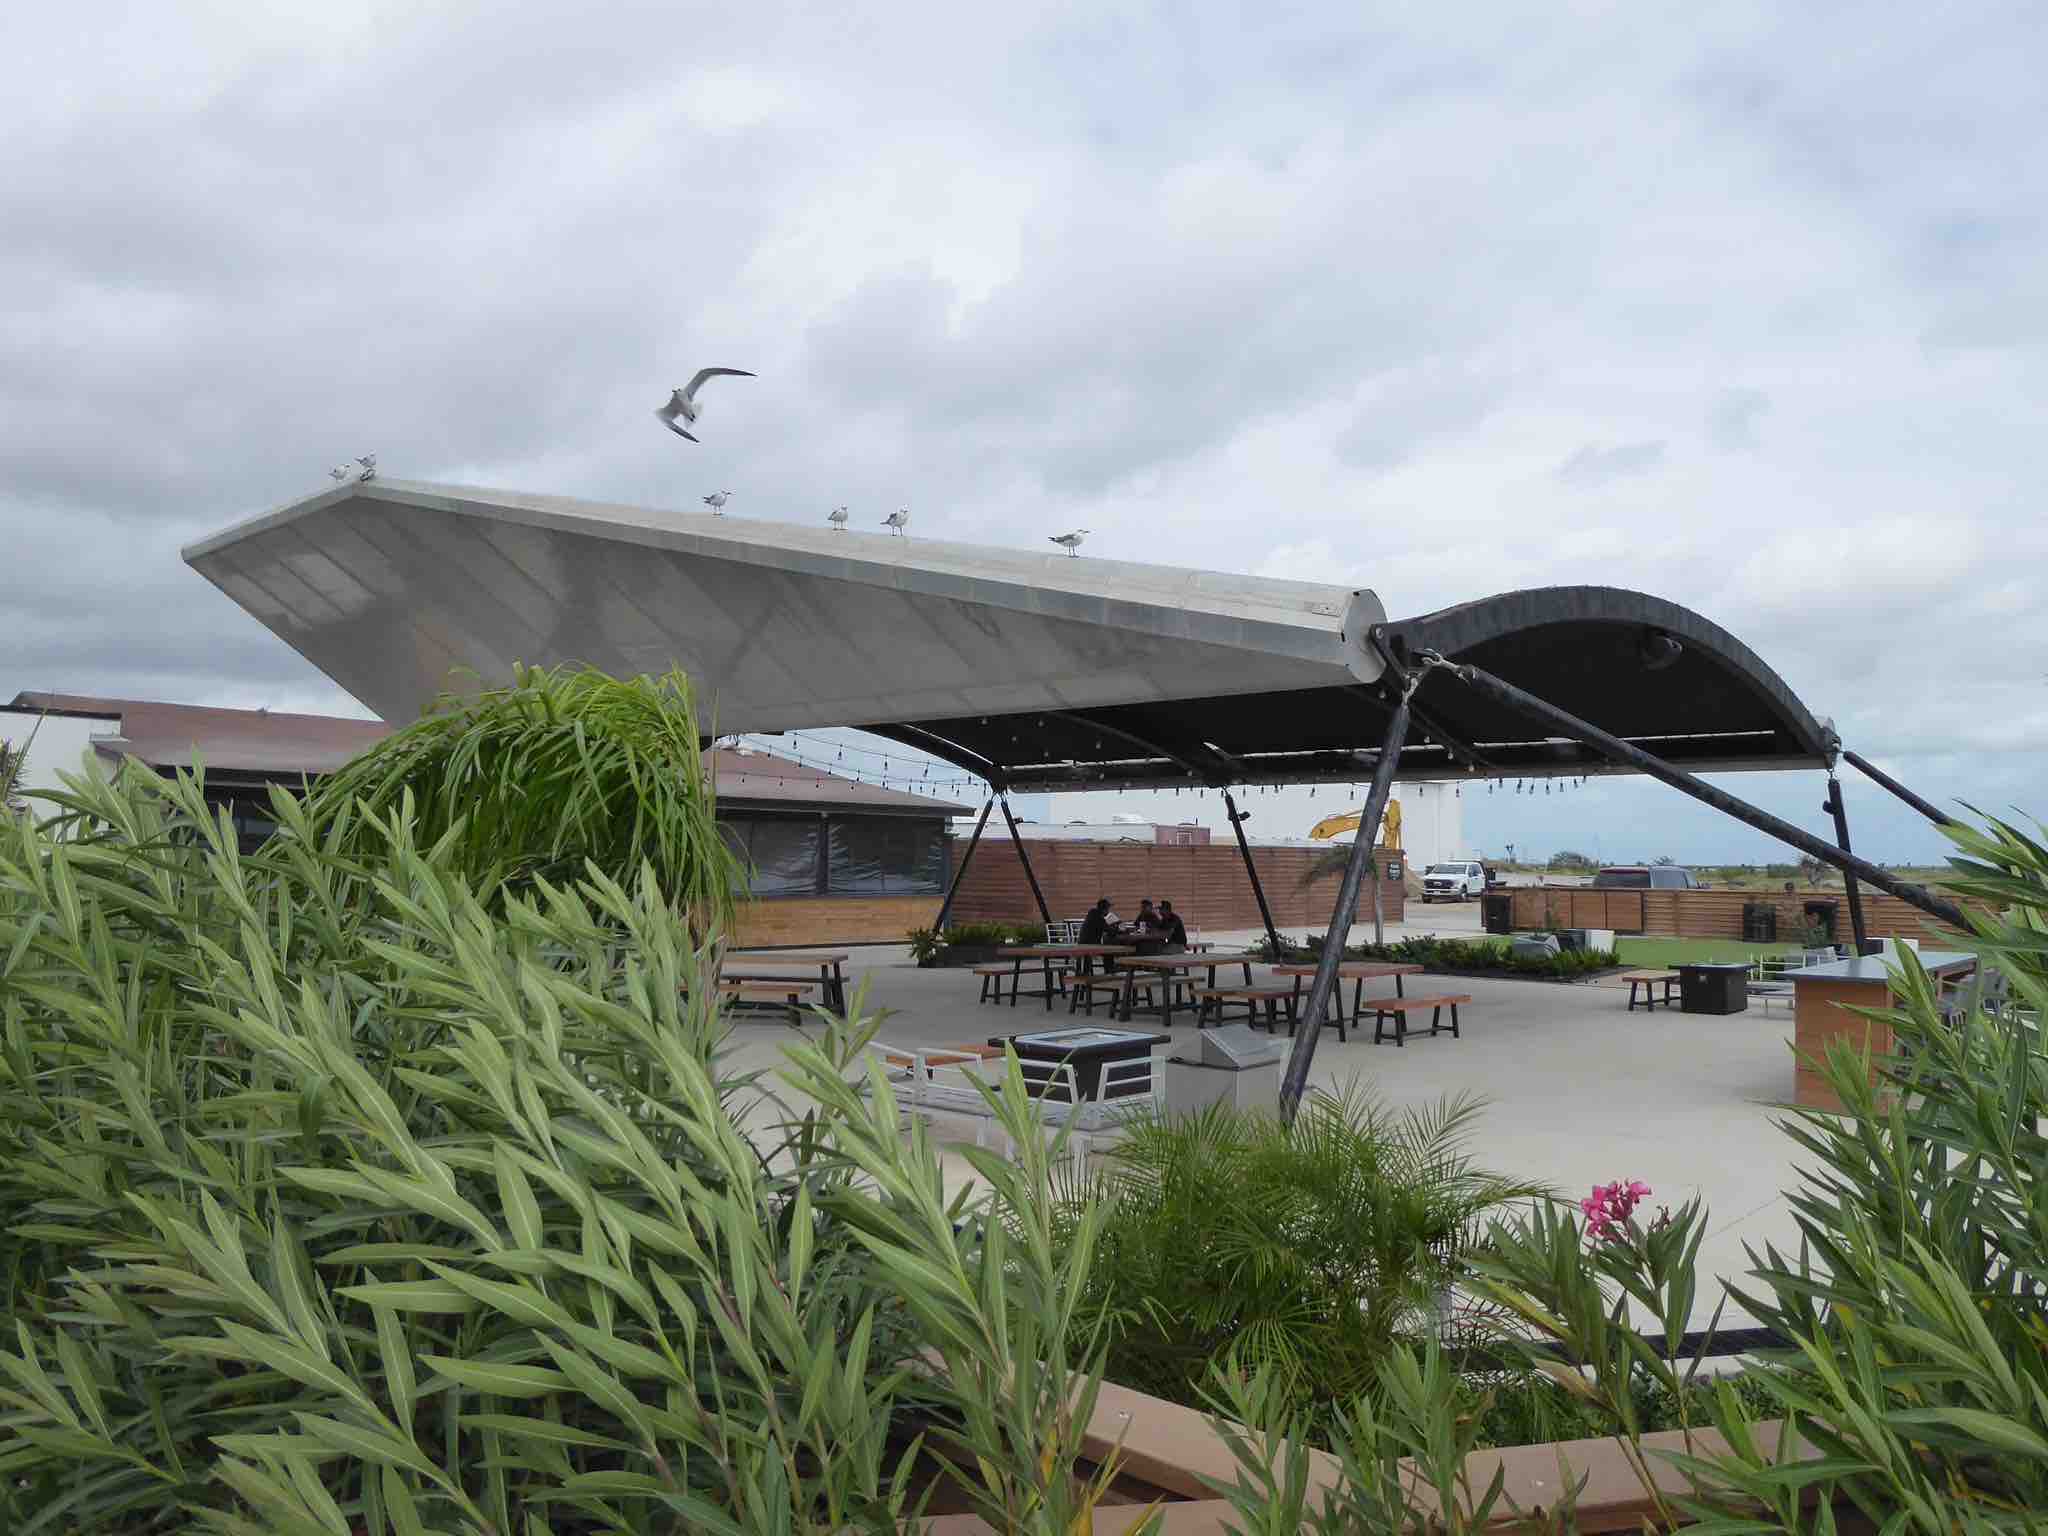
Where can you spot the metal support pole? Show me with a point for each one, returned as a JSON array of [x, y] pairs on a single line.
[[1939, 817], [1632, 756], [1294, 1082], [1258, 890], [1017, 839], [1840, 812], [946, 907]]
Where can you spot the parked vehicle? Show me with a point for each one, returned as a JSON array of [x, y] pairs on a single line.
[[1460, 881], [1646, 877]]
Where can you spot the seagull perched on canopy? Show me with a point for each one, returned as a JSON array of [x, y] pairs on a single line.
[[837, 518], [716, 502], [682, 403], [369, 463], [1070, 541], [339, 472], [896, 520]]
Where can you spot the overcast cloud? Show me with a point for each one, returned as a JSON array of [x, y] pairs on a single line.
[[1743, 305]]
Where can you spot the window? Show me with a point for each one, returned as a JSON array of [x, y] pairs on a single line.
[[881, 856], [783, 852]]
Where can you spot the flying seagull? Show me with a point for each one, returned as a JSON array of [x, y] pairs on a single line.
[[896, 520], [1071, 541], [837, 518], [682, 403], [716, 502]]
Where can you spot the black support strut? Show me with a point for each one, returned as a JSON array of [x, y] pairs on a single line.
[[1017, 838], [946, 907], [1265, 912], [1309, 1024], [1840, 812], [1933, 813], [1630, 755]]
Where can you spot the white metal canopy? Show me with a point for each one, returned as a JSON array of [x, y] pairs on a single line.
[[1039, 671]]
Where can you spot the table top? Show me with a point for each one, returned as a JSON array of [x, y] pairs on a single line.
[[1063, 951], [1712, 965], [1184, 962], [1877, 968], [1356, 970], [784, 957]]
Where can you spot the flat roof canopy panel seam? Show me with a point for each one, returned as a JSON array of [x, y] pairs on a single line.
[[1039, 671]]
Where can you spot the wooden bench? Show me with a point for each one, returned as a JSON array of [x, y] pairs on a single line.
[[1213, 1000], [992, 981], [1398, 1009], [786, 995], [1648, 982], [1082, 990]]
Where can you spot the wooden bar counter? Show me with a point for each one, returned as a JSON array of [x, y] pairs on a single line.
[[1822, 996]]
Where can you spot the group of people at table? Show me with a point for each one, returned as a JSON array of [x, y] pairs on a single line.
[[1152, 925]]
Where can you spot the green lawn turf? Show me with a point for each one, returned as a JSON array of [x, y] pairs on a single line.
[[1661, 954]]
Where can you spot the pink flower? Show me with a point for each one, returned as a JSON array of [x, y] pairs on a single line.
[[1609, 1208]]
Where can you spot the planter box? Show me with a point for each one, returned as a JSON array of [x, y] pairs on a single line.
[[954, 956]]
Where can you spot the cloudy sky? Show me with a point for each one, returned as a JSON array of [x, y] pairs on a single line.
[[1743, 305]]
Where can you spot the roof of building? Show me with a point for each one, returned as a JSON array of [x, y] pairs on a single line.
[[271, 744], [264, 742], [1039, 672]]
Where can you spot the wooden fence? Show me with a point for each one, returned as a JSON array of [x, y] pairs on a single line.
[[1708, 914]]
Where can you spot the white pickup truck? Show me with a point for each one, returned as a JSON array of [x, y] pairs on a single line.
[[1464, 880]]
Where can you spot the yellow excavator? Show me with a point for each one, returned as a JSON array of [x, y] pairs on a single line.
[[1347, 821]]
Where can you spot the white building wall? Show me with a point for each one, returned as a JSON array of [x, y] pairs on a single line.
[[61, 743], [1432, 824]]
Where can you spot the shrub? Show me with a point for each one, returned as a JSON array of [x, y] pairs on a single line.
[[555, 771], [336, 1201], [1302, 1250]]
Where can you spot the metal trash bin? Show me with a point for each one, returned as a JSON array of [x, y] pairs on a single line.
[[1497, 912], [1713, 987], [1236, 1065]]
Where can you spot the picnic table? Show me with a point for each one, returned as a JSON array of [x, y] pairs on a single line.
[[1170, 968], [1358, 973], [828, 966], [1047, 955]]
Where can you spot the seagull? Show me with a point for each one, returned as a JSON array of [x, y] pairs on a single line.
[[837, 518], [683, 402], [1071, 541], [339, 472], [369, 463], [896, 520], [716, 502]]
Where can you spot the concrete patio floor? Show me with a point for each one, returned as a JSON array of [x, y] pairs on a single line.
[[1579, 1090]]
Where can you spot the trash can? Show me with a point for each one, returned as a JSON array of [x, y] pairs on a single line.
[[1822, 910], [1235, 1065], [1497, 912], [1759, 922], [1713, 987], [1535, 946]]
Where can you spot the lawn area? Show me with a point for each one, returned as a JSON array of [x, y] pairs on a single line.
[[1656, 954]]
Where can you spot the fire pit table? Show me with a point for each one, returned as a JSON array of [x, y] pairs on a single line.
[[1087, 1049]]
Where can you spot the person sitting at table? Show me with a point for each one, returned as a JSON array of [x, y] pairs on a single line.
[[1171, 928], [1147, 919], [1099, 924]]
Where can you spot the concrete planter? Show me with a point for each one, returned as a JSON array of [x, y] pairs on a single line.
[[956, 956]]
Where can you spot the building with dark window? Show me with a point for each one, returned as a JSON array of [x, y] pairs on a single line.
[[832, 860]]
